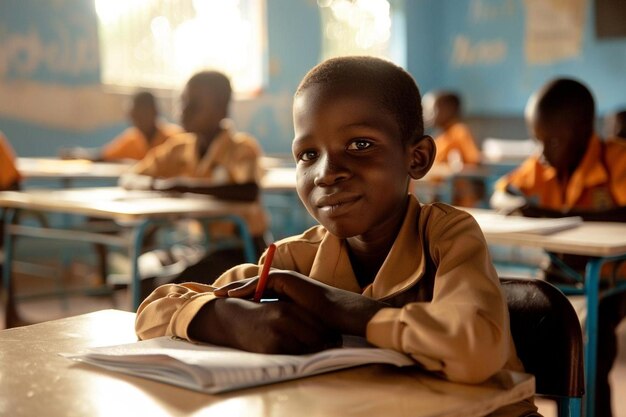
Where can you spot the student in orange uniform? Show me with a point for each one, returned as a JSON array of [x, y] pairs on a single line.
[[212, 158], [455, 139], [133, 143], [455, 144], [9, 176], [417, 279], [576, 174]]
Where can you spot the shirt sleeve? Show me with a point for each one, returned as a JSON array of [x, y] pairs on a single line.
[[128, 145], [463, 332], [244, 165], [8, 171], [167, 160]]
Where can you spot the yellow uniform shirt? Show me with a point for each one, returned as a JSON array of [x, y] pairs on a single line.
[[232, 158], [457, 138], [447, 309], [599, 182], [133, 144], [8, 171]]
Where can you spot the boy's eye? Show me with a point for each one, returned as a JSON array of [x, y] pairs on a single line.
[[359, 145], [308, 155]]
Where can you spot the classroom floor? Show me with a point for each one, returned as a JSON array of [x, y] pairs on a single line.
[[40, 309]]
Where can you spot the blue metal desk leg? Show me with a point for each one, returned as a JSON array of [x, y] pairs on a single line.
[[592, 285], [138, 236], [7, 286]]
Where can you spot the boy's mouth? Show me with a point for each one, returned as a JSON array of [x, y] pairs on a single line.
[[334, 204]]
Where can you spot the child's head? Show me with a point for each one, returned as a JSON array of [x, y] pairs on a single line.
[[443, 108], [143, 111], [561, 115], [615, 125], [205, 102], [359, 139]]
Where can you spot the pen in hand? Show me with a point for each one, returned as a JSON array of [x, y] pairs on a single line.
[[260, 286]]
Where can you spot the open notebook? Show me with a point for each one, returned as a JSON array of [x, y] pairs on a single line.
[[213, 369]]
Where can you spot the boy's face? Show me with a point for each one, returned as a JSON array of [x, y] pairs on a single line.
[[143, 117], [352, 167], [200, 112]]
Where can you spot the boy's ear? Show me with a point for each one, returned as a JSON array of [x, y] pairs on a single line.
[[421, 156]]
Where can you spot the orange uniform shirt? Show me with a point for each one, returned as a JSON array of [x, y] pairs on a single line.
[[133, 144], [457, 137], [8, 171], [599, 182]]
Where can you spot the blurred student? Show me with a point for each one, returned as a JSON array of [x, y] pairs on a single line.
[[576, 174], [615, 125], [211, 158], [455, 143], [147, 132], [410, 277]]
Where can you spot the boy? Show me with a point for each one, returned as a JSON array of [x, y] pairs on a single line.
[[210, 159], [455, 139], [133, 143], [413, 278], [577, 174], [455, 144]]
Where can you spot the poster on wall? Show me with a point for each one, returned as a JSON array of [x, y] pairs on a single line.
[[553, 30]]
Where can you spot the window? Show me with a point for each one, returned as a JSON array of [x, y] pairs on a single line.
[[363, 27], [161, 43]]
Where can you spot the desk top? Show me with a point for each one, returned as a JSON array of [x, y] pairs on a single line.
[[52, 168], [602, 239], [119, 204], [36, 381]]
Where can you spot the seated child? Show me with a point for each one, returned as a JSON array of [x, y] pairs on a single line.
[[211, 158], [410, 277], [133, 143], [576, 174], [455, 143]]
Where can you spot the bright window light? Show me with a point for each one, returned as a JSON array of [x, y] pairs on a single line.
[[161, 43], [361, 27]]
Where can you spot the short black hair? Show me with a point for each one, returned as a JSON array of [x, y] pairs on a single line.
[[393, 87], [217, 83], [620, 124], [144, 99], [567, 102], [451, 99]]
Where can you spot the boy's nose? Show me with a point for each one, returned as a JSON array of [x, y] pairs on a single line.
[[330, 170]]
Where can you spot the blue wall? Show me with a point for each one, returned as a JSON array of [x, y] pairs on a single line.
[[56, 46]]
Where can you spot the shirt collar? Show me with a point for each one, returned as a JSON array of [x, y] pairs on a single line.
[[404, 265]]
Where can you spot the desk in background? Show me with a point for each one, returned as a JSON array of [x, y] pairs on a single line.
[[38, 382], [602, 242], [136, 210], [69, 171]]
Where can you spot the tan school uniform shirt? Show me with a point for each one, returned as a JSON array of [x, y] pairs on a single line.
[[447, 309], [232, 158], [8, 171], [133, 144]]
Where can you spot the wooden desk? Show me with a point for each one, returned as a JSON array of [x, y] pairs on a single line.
[[132, 209], [68, 171], [36, 381], [603, 242]]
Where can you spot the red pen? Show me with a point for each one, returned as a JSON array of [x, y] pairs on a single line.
[[260, 285]]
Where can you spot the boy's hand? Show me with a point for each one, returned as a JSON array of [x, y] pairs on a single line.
[[343, 310], [275, 327]]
